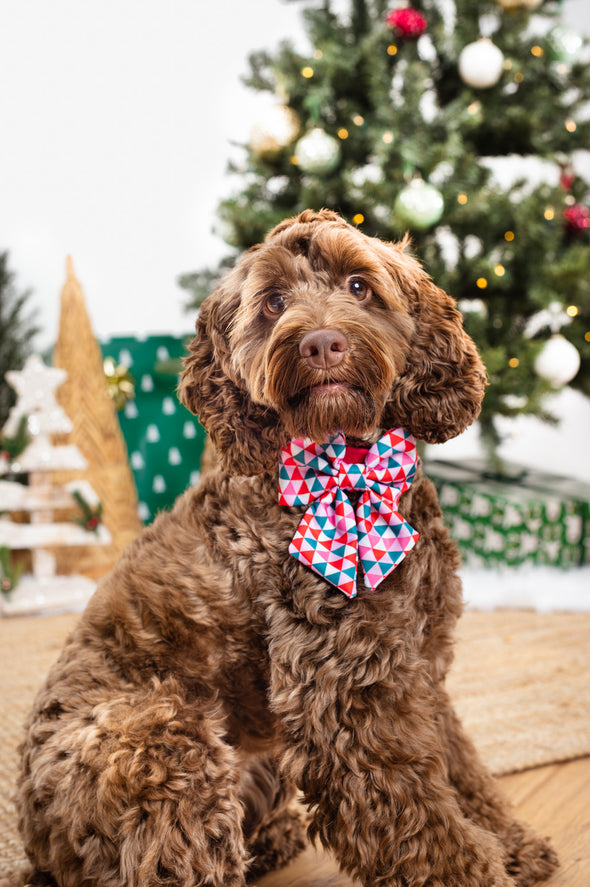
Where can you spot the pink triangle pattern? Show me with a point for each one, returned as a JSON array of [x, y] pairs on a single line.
[[332, 538]]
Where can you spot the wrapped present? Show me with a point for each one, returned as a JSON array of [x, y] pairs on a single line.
[[164, 440], [529, 517]]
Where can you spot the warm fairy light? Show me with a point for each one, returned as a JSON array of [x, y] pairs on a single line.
[[513, 362], [549, 213], [572, 310], [307, 72], [481, 282], [392, 49], [358, 120], [342, 133], [462, 198], [499, 270], [509, 236], [570, 125], [474, 108], [318, 54], [294, 160], [358, 219], [561, 69], [519, 77], [537, 51], [507, 64], [387, 137], [587, 336]]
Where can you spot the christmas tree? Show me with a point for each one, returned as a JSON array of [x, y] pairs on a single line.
[[41, 460], [463, 123], [17, 331]]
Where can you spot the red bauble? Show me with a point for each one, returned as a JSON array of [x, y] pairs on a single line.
[[407, 22], [567, 179], [577, 219]]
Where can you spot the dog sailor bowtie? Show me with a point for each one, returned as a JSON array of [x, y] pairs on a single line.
[[331, 537]]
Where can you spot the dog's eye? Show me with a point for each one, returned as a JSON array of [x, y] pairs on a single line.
[[358, 288], [274, 304]]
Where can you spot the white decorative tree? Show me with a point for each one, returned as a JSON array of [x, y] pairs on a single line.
[[41, 498]]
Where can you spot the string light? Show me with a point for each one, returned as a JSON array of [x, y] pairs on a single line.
[[462, 198], [570, 125], [387, 137], [537, 51], [481, 282], [307, 72], [549, 213], [572, 310], [342, 133], [474, 108], [513, 362], [507, 64], [318, 54], [587, 336], [509, 236], [519, 77], [499, 270], [358, 219], [358, 120], [392, 49]]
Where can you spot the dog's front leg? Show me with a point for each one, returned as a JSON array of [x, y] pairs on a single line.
[[363, 746]]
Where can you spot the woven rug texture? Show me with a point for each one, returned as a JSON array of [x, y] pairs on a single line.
[[519, 682]]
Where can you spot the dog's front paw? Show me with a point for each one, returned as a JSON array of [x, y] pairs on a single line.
[[531, 859]]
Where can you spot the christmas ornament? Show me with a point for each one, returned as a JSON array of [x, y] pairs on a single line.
[[11, 447], [511, 5], [91, 516], [558, 362], [564, 44], [317, 152], [120, 382], [481, 64], [277, 129], [409, 22], [419, 205], [9, 574], [577, 220]]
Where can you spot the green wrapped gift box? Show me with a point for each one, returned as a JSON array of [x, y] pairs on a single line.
[[164, 440], [529, 518]]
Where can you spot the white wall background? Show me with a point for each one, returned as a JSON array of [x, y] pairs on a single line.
[[116, 120]]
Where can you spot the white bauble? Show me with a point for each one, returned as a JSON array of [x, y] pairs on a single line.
[[559, 361], [317, 152], [278, 127], [419, 205], [481, 64], [565, 44]]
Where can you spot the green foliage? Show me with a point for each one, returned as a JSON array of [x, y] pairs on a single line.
[[12, 447], [502, 247], [17, 331], [9, 573], [90, 516]]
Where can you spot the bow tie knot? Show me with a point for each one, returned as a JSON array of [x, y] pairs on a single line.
[[332, 536]]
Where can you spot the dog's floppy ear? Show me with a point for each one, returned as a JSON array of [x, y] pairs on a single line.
[[246, 436], [439, 393]]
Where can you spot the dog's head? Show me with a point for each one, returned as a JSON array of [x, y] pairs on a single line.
[[321, 328]]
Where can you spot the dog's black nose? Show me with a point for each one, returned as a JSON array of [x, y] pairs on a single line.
[[323, 349]]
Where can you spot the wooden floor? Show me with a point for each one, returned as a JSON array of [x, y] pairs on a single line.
[[554, 799]]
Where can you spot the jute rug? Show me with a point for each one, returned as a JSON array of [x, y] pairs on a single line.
[[520, 683]]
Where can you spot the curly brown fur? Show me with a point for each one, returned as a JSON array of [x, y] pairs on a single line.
[[212, 674]]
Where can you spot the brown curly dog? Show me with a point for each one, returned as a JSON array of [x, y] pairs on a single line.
[[213, 674]]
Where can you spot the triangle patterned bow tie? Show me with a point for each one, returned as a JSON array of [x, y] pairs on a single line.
[[332, 537]]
